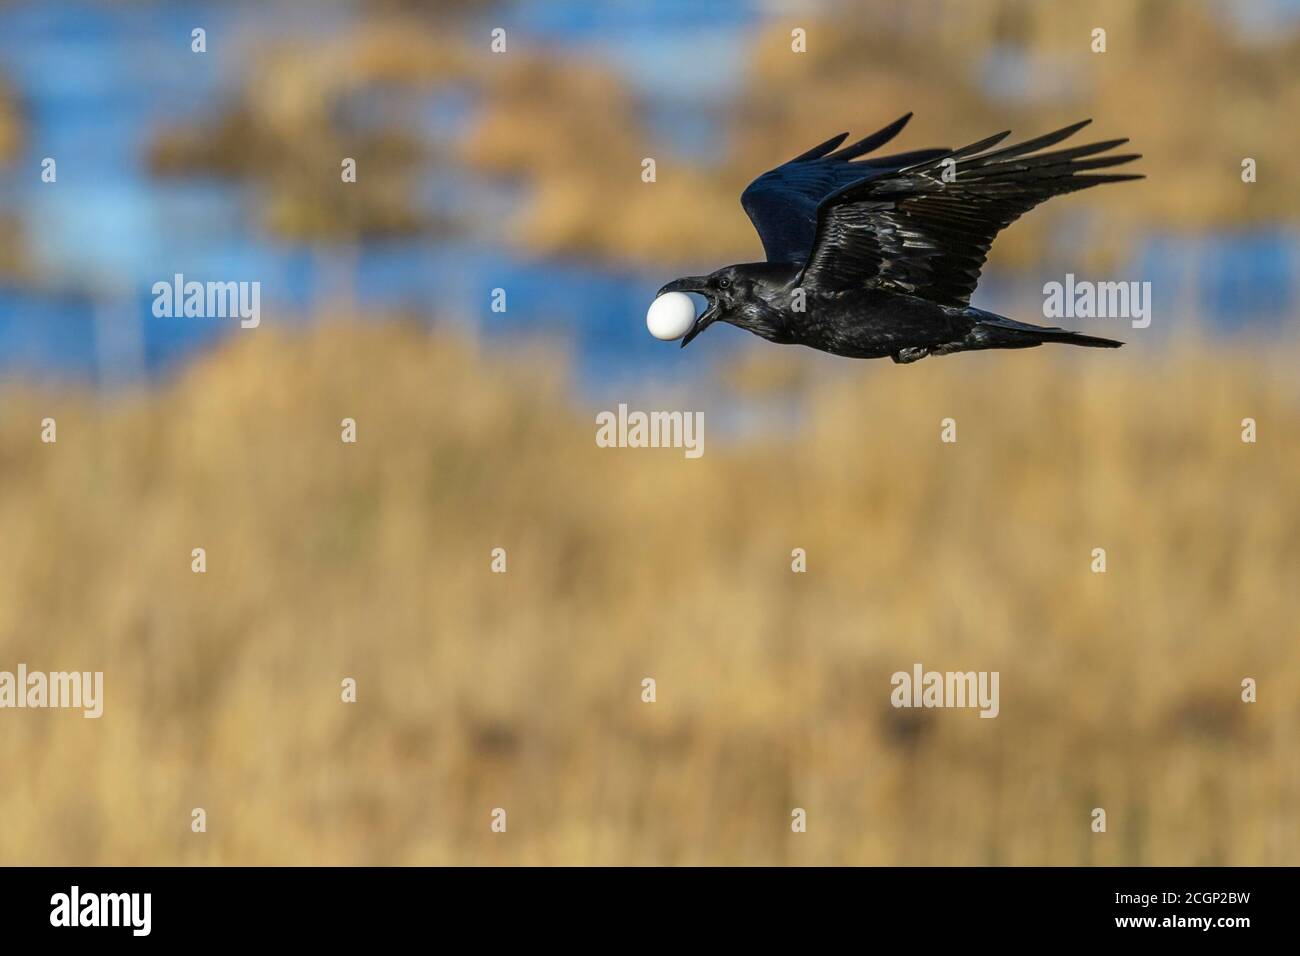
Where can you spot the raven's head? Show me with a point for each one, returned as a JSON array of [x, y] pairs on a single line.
[[729, 291]]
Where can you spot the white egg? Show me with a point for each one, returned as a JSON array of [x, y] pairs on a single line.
[[670, 316]]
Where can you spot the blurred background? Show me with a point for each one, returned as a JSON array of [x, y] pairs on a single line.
[[522, 171]]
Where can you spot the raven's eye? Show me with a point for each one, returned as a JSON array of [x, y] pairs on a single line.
[[724, 283]]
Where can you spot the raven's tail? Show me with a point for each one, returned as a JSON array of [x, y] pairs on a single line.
[[992, 331]]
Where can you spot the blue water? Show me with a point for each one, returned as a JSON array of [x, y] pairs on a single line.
[[95, 81]]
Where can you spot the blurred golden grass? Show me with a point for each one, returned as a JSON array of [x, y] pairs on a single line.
[[13, 257], [11, 131], [480, 690], [287, 132]]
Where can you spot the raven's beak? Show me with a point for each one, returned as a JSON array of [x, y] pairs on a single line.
[[700, 286]]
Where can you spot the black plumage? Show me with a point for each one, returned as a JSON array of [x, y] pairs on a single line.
[[870, 258]]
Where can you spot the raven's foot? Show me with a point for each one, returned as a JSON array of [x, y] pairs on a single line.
[[905, 356]]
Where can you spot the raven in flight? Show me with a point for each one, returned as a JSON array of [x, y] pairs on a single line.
[[875, 257]]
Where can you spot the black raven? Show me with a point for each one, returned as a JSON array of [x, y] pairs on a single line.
[[875, 257]]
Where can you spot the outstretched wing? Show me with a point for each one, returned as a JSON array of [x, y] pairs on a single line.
[[926, 230], [782, 203]]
